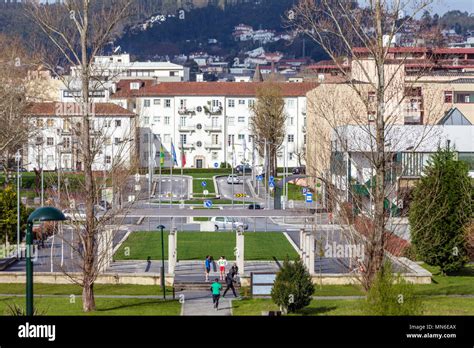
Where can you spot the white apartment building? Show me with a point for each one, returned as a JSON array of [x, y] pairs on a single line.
[[119, 66], [211, 120], [55, 143]]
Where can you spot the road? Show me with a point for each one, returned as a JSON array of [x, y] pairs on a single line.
[[229, 191]]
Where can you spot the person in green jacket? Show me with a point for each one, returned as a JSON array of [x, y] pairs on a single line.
[[216, 293]]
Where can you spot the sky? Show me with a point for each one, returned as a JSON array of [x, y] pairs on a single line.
[[443, 6]]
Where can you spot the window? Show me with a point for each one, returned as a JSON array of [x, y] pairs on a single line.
[[66, 143], [215, 156], [230, 121], [371, 97], [50, 141], [464, 97], [118, 123], [290, 104], [117, 141], [156, 119], [167, 120], [215, 103], [215, 122], [448, 96], [39, 140], [146, 103], [241, 137], [39, 123], [167, 103], [291, 121], [230, 139], [157, 101], [290, 156], [182, 121], [251, 103], [291, 138], [215, 139], [304, 139], [231, 103], [182, 103], [108, 159], [146, 120], [241, 101], [241, 119], [50, 123], [183, 138]]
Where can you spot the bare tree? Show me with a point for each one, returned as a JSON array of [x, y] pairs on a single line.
[[363, 109], [79, 30], [268, 123]]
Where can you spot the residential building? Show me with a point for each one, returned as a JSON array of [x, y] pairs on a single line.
[[55, 136], [210, 121]]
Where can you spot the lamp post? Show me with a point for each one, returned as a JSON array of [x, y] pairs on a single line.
[[163, 283], [40, 214], [18, 159]]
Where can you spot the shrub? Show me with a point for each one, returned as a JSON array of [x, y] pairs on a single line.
[[392, 295], [293, 287]]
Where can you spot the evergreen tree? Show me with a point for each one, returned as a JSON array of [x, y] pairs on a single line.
[[8, 215], [441, 209], [293, 287]]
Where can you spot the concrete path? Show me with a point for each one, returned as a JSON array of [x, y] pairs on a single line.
[[199, 303]]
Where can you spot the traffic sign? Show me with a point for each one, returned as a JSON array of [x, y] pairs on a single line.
[[203, 184], [216, 165], [305, 190], [271, 184], [205, 192], [259, 177], [272, 179], [309, 197], [208, 204], [240, 195]]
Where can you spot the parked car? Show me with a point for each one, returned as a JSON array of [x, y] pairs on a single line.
[[299, 170], [227, 223], [255, 206], [234, 179], [105, 205], [241, 168], [75, 214]]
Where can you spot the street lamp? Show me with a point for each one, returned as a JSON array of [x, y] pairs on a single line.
[[18, 159], [40, 214], [163, 283]]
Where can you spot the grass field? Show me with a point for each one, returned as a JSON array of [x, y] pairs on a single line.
[[198, 188], [432, 306], [459, 283], [72, 289], [196, 245], [62, 306]]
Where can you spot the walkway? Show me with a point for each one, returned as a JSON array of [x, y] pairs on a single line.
[[199, 303]]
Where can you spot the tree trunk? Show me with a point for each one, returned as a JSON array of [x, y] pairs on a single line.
[[88, 300]]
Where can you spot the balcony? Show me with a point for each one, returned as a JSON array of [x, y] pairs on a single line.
[[213, 128], [213, 110], [187, 128], [217, 145], [188, 146], [187, 111]]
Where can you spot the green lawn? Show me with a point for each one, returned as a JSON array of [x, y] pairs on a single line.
[[196, 245], [105, 306], [197, 185], [72, 289], [459, 283], [432, 306], [295, 192]]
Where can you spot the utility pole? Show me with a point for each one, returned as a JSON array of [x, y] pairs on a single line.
[[18, 159]]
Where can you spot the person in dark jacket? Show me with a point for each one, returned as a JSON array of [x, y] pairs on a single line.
[[230, 280]]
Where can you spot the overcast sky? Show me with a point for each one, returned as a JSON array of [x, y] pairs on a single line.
[[442, 6]]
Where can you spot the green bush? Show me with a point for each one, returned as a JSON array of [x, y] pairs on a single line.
[[293, 287], [442, 208], [392, 295]]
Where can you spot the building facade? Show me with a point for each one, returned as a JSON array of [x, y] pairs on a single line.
[[210, 121], [55, 141]]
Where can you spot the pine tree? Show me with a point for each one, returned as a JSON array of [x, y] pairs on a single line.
[[293, 287], [441, 210]]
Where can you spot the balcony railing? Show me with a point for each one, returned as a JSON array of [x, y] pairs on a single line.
[[213, 128], [187, 128], [217, 145], [187, 111]]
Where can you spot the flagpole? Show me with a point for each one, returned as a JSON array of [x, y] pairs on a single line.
[[233, 181], [171, 175], [159, 184]]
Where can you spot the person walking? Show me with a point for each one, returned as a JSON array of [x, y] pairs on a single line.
[[216, 293], [207, 264], [222, 263], [234, 269], [230, 280]]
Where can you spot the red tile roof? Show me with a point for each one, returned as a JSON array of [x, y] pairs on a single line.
[[230, 89], [74, 109]]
